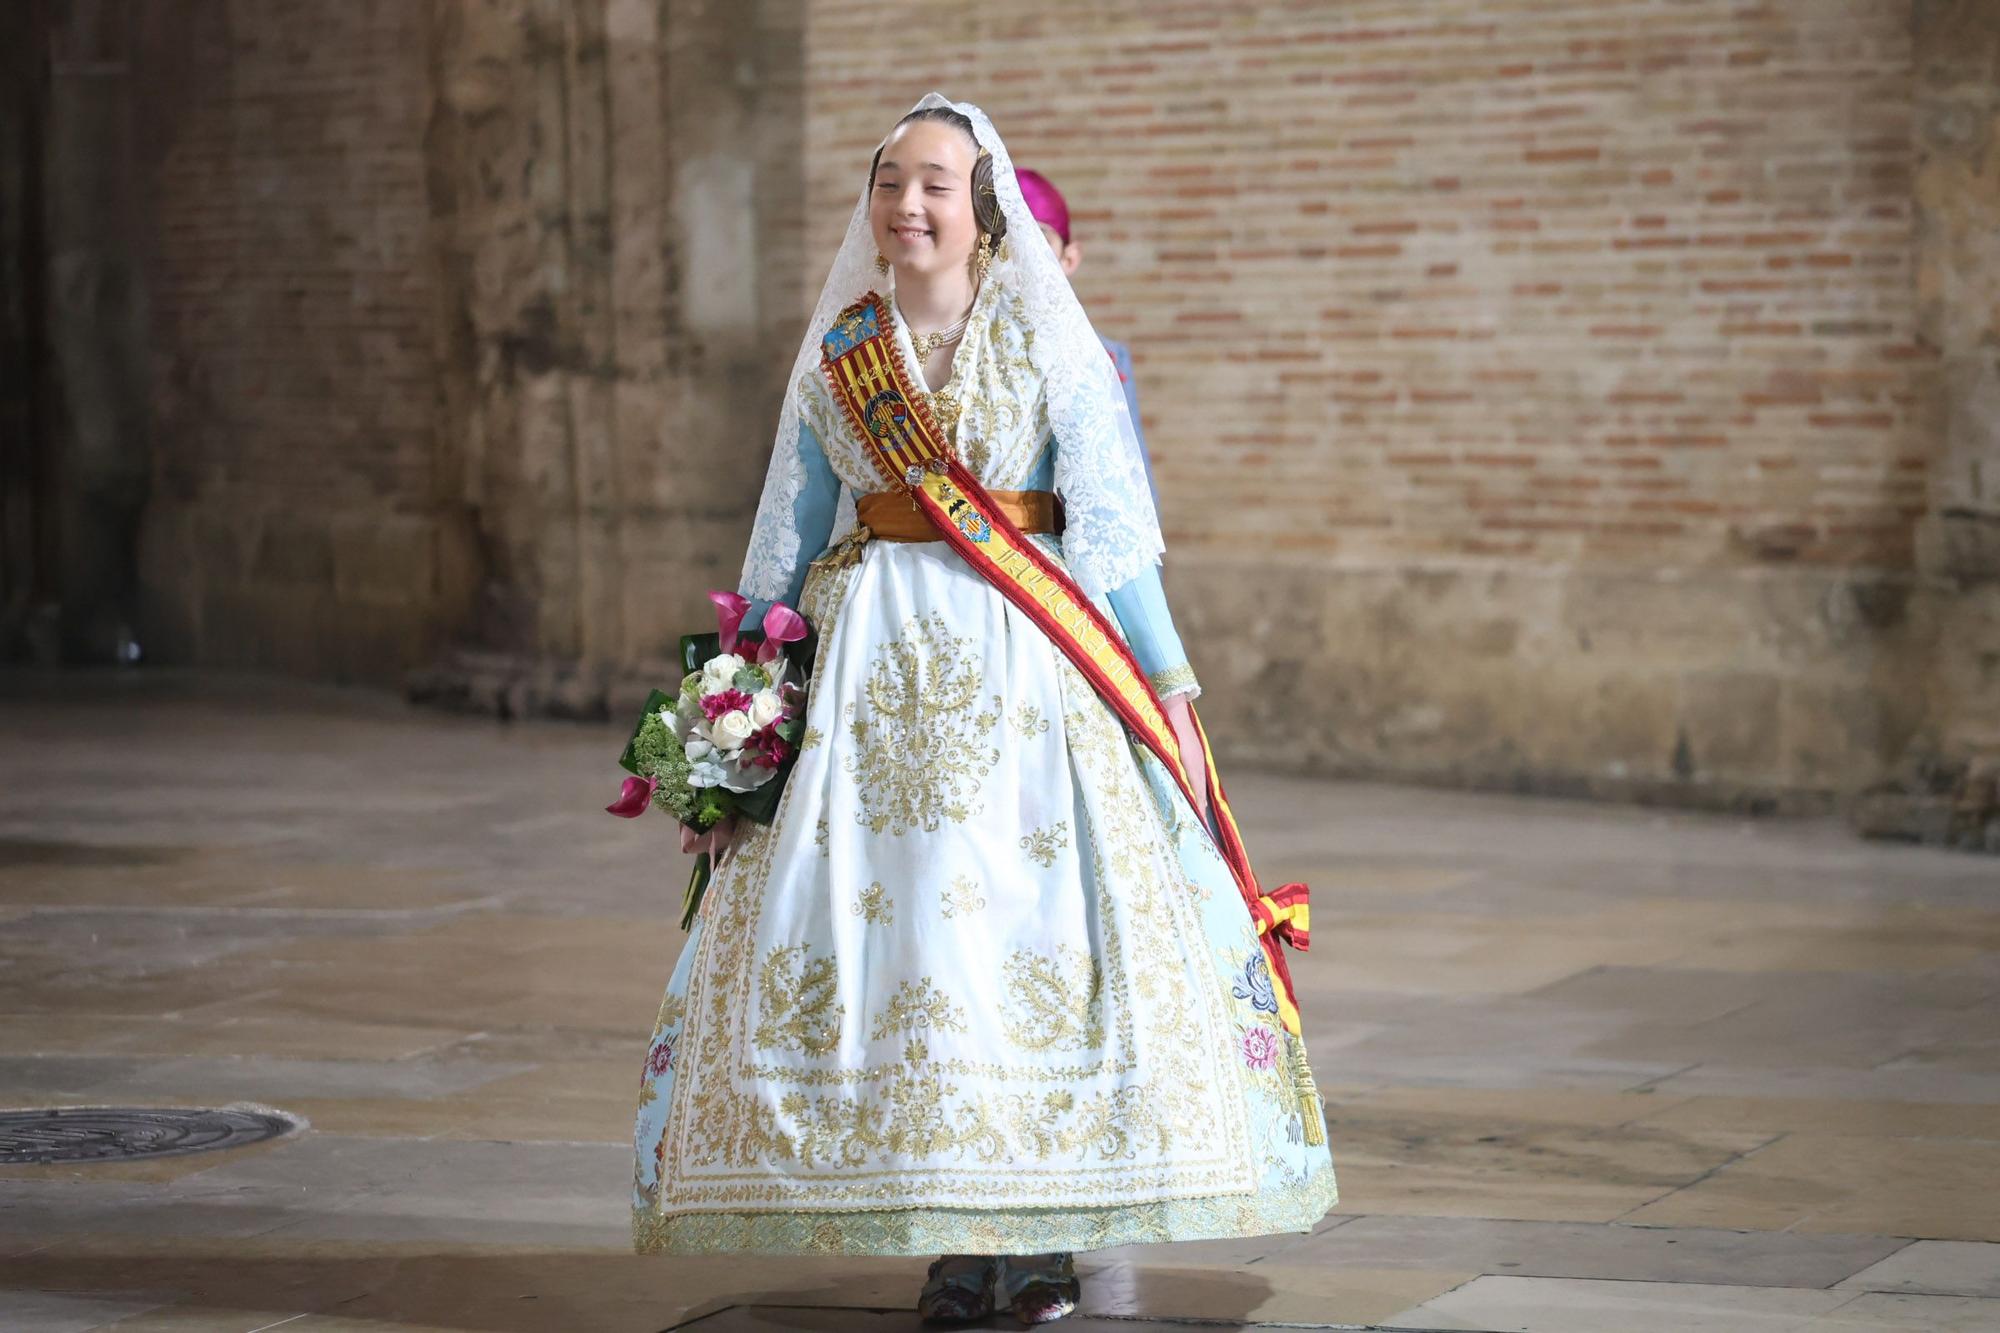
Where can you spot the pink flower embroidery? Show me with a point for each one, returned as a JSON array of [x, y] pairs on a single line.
[[661, 1060], [1260, 1048]]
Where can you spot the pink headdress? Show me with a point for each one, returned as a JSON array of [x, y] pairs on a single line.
[[1045, 201]]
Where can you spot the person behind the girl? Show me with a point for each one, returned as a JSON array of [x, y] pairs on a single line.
[[1051, 212], [995, 983]]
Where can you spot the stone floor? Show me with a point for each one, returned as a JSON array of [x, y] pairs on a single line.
[[1587, 1068]]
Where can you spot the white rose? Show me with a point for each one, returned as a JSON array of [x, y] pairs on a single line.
[[731, 729], [719, 672], [764, 709]]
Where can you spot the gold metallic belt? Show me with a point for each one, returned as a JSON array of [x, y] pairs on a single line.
[[891, 517]]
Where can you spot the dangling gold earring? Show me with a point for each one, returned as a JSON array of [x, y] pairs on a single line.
[[881, 262], [985, 260]]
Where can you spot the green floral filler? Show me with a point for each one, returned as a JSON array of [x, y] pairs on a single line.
[[658, 754]]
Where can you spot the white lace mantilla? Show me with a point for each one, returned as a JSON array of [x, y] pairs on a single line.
[[1112, 531]]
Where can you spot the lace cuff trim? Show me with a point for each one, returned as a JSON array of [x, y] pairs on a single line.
[[1175, 680]]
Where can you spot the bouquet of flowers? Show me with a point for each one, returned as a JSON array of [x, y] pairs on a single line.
[[723, 743]]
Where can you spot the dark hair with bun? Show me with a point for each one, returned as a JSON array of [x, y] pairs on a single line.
[[985, 199]]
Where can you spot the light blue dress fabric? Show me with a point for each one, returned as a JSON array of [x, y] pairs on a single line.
[[1139, 605]]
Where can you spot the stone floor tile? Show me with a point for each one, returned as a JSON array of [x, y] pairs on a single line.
[[1839, 1116], [1261, 1293], [211, 1319], [1529, 1017], [1576, 1305], [1885, 1312], [1460, 1164], [237, 1037], [1822, 1083], [1935, 1267], [1939, 1190], [1561, 1106], [1563, 1249], [63, 1312]]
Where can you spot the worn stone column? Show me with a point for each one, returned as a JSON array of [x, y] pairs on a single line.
[[24, 457], [603, 184], [96, 423], [1949, 787]]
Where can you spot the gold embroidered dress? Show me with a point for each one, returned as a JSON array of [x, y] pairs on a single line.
[[984, 984]]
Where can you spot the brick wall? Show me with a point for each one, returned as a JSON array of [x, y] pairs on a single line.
[[295, 521], [1550, 371], [1548, 366]]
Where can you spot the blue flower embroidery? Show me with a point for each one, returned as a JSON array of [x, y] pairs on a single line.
[[1256, 985]]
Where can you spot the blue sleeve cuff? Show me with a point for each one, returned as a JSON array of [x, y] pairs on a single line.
[[1141, 608]]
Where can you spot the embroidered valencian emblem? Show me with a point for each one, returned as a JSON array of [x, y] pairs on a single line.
[[973, 524], [886, 412]]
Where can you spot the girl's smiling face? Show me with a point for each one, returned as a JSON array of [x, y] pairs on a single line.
[[920, 208]]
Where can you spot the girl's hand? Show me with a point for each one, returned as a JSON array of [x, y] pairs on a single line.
[[713, 842], [1190, 743]]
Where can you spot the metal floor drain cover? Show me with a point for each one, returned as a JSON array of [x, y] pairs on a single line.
[[120, 1133]]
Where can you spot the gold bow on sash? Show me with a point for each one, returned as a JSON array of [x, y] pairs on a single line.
[[894, 424]]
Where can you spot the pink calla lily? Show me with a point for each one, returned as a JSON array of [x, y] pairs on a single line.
[[730, 609], [782, 625], [633, 798]]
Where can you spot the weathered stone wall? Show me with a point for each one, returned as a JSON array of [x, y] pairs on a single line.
[[298, 519], [1589, 397], [1947, 785], [615, 187]]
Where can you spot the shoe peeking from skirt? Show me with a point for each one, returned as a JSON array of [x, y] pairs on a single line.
[[958, 1289], [1039, 1288]]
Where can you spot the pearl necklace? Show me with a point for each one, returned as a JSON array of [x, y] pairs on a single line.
[[926, 343]]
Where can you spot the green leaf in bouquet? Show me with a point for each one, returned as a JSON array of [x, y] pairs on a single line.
[[762, 804], [629, 760], [696, 649]]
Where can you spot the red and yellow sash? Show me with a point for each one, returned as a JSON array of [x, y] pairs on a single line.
[[865, 368]]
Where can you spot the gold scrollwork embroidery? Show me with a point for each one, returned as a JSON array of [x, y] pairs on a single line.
[[1054, 1003], [1043, 844], [962, 897], [919, 1004], [921, 749], [874, 907], [1028, 720], [730, 1138], [799, 1009]]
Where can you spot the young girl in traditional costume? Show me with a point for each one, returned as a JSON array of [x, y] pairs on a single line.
[[996, 982]]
